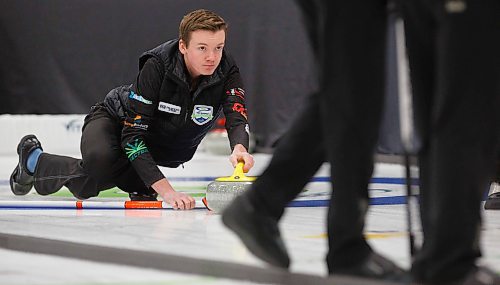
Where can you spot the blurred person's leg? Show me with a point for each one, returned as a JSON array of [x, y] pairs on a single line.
[[254, 215], [297, 157], [454, 67], [300, 152], [352, 42], [295, 160]]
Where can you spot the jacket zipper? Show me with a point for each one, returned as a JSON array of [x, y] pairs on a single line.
[[195, 94]]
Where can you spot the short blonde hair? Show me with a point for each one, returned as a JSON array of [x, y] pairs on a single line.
[[200, 20]]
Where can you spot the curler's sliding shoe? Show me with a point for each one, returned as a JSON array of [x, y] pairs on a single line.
[[21, 179]]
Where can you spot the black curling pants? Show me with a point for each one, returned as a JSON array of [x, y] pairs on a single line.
[[455, 70], [103, 165], [296, 159], [338, 125], [456, 95], [300, 152]]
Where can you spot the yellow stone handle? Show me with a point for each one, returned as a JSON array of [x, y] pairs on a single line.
[[238, 175], [238, 171]]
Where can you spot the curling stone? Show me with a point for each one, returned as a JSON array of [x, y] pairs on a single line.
[[223, 190]]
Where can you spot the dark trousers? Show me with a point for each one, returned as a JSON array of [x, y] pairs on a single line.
[[300, 152], [339, 125], [353, 37], [296, 159], [103, 164], [455, 70]]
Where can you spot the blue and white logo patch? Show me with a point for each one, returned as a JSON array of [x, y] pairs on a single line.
[[202, 114], [139, 98]]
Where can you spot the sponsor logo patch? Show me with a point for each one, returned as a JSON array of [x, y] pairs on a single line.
[[202, 114], [236, 92], [139, 98], [136, 149], [169, 108], [136, 123], [240, 108]]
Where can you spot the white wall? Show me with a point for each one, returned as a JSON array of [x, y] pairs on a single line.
[[59, 134]]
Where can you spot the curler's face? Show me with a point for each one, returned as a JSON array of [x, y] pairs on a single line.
[[203, 53]]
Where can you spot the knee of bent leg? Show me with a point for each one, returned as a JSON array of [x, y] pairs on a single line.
[[99, 163]]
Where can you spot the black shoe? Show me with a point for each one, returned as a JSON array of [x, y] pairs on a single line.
[[259, 233], [135, 196], [375, 267], [21, 179], [493, 202]]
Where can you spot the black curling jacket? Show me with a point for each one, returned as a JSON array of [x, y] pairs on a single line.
[[164, 118]]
